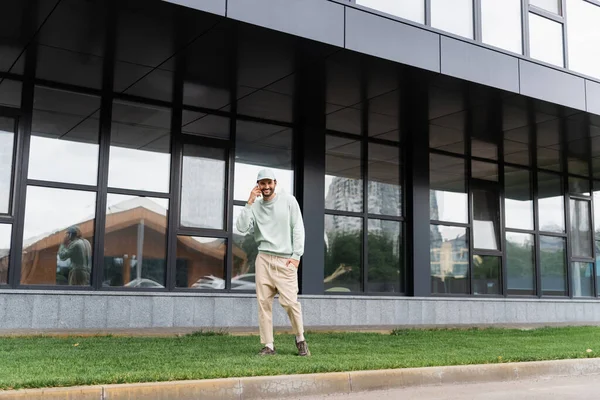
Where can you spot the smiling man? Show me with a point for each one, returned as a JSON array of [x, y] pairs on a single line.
[[279, 232]]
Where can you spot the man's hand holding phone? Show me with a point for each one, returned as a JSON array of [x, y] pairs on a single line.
[[254, 194]]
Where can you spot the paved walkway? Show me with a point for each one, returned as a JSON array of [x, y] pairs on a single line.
[[561, 388]]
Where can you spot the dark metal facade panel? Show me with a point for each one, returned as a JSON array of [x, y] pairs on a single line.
[[592, 93], [318, 20], [551, 85], [392, 40], [476, 64], [212, 6]]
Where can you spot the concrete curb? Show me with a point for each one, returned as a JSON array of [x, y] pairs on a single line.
[[276, 387]]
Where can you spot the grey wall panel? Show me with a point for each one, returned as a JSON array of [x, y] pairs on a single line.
[[592, 91], [392, 40], [319, 20], [551, 85], [212, 6], [38, 312], [476, 64]]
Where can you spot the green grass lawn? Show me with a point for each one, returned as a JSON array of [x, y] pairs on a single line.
[[29, 362]]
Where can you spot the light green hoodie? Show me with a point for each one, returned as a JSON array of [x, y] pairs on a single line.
[[278, 226]]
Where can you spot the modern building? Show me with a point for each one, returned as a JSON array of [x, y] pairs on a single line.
[[445, 154]]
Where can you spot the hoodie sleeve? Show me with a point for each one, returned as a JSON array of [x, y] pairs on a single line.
[[297, 230], [245, 221]]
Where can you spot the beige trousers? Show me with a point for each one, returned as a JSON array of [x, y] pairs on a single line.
[[272, 277]]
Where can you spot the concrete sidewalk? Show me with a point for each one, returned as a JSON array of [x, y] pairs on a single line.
[[277, 387]]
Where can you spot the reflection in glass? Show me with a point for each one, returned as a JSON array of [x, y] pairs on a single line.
[[501, 24], [549, 151], [245, 250], [453, 16], [343, 175], [448, 195], [518, 201], [343, 245], [546, 40], [584, 37], [484, 170], [552, 265], [198, 124], [200, 262], [549, 5], [581, 230], [135, 241], [140, 147], [64, 137], [385, 192], [7, 139], [203, 187], [551, 207], [486, 275], [261, 146], [384, 256], [520, 263], [597, 267], [58, 237], [486, 223], [5, 232], [579, 186], [10, 93], [582, 274], [596, 199], [449, 259], [413, 10]]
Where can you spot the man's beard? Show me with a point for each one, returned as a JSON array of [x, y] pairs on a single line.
[[266, 196]]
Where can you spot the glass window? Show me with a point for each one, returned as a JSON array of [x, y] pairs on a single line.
[[385, 191], [245, 250], [140, 147], [518, 201], [581, 230], [261, 146], [343, 253], [549, 150], [5, 240], [484, 170], [385, 256], [501, 24], [383, 118], [516, 134], [413, 10], [596, 210], [199, 124], [584, 37], [486, 275], [553, 266], [64, 137], [579, 186], [546, 40], [551, 206], [484, 149], [7, 140], [520, 263], [449, 259], [203, 187], [583, 279], [343, 175], [486, 212], [448, 195], [58, 237], [548, 5], [453, 16], [135, 241], [598, 268], [10, 93], [200, 262]]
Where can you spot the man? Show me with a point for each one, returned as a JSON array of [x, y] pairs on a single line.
[[79, 251], [279, 232]]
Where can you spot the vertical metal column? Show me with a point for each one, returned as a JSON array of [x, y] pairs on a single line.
[[415, 108]]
